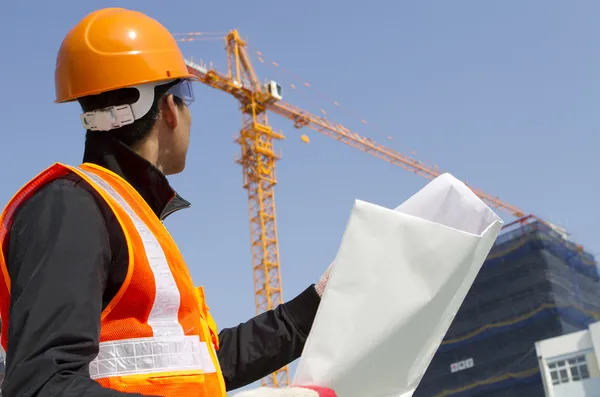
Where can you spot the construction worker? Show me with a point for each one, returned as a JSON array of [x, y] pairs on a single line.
[[95, 296]]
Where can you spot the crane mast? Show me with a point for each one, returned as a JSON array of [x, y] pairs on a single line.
[[258, 162]]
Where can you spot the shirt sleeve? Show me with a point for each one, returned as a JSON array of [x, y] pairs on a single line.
[[267, 342], [58, 257]]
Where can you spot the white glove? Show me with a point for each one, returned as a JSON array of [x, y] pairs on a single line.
[[322, 283], [286, 392]]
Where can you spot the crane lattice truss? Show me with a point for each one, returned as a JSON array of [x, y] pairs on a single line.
[[258, 162]]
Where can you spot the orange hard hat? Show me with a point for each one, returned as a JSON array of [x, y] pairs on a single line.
[[114, 48]]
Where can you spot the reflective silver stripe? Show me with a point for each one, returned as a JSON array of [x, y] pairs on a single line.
[[164, 313], [151, 355]]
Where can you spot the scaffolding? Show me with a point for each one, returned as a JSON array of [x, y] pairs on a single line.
[[535, 284]]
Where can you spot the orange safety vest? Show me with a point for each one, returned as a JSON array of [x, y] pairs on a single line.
[[156, 336]]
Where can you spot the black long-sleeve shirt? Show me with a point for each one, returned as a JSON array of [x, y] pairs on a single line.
[[67, 258]]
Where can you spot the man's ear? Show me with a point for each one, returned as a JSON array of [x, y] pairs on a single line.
[[169, 111]]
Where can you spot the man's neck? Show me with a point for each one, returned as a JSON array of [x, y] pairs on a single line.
[[148, 149]]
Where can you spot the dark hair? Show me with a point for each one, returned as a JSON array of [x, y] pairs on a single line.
[[139, 129]]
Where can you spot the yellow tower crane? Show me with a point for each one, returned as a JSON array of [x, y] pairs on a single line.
[[258, 161]]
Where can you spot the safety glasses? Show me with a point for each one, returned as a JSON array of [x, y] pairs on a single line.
[[184, 91]]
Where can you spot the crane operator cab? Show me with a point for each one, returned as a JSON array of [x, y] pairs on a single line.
[[274, 89]]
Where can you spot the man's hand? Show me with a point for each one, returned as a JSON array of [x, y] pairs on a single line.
[[307, 391]]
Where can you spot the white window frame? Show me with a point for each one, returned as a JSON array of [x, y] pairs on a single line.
[[568, 369]]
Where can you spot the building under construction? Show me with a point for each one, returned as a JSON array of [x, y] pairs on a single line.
[[535, 284]]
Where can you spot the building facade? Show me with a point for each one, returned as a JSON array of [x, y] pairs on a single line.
[[534, 285]]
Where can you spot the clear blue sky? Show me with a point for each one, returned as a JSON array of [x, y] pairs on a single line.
[[505, 94]]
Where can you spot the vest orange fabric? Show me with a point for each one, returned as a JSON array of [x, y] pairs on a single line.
[[156, 336]]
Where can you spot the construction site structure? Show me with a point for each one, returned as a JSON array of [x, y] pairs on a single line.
[[258, 158], [534, 285]]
